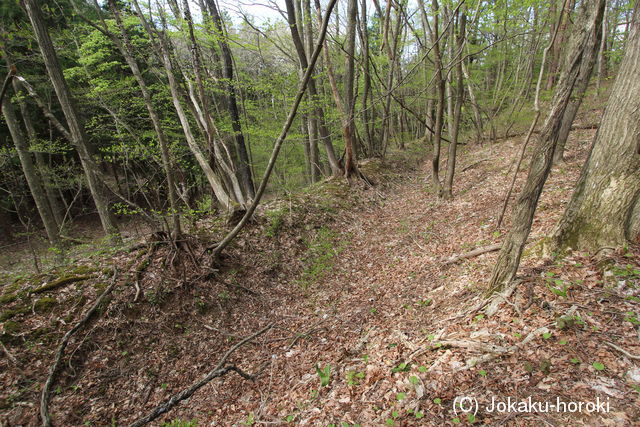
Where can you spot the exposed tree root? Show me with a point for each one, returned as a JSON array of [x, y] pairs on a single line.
[[216, 372], [44, 397]]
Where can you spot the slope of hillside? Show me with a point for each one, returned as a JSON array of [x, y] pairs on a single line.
[[368, 323]]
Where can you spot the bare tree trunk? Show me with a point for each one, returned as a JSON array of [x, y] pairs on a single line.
[[364, 41], [576, 99], [349, 129], [440, 87], [76, 128], [581, 47], [314, 158], [313, 91], [459, 97], [604, 209], [41, 165], [244, 166], [216, 185], [127, 51], [33, 180]]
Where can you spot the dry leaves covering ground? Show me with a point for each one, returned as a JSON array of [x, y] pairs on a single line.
[[353, 280]]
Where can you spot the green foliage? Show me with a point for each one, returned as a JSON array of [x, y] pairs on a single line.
[[402, 367], [324, 374], [322, 248], [276, 219], [354, 377]]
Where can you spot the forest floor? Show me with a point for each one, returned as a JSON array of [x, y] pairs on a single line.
[[354, 284]]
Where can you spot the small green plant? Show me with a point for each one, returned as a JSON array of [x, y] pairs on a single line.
[[546, 335], [402, 367], [482, 373], [575, 360], [276, 221], [251, 420], [632, 318], [422, 369], [478, 317], [401, 396], [598, 366], [425, 302], [392, 421], [437, 401], [414, 380], [324, 374], [354, 377], [562, 290]]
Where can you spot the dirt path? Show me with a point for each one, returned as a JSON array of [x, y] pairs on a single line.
[[386, 295], [371, 302]]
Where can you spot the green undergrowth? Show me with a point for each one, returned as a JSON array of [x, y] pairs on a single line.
[[322, 249]]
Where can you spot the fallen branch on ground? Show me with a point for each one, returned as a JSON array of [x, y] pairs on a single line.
[[216, 372], [623, 351], [44, 397], [473, 253]]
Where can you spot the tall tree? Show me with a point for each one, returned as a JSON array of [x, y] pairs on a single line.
[[349, 128], [581, 46], [76, 128], [126, 49], [318, 112], [440, 100], [244, 166], [601, 211], [30, 173], [459, 98]]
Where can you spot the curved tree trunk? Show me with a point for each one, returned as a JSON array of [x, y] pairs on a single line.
[[604, 210]]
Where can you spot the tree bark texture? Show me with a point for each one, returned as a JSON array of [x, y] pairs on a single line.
[[581, 46]]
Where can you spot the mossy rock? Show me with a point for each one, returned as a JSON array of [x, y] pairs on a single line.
[[62, 281], [45, 304]]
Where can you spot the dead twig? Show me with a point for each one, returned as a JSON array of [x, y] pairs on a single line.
[[44, 397], [216, 372]]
